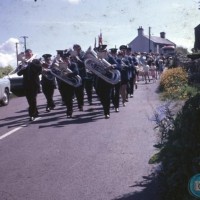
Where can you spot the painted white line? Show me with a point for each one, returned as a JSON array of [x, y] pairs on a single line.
[[10, 132], [16, 129]]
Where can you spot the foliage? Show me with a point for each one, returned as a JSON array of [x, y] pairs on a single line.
[[174, 84], [194, 56], [182, 50], [5, 71], [179, 153]]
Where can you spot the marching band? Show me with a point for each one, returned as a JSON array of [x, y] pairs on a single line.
[[112, 74]]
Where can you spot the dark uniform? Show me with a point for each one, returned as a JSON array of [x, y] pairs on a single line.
[[66, 89], [115, 95], [132, 72], [125, 72], [79, 60], [104, 90], [48, 83], [60, 54], [31, 83]]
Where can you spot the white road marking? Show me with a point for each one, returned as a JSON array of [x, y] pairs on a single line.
[[16, 129]]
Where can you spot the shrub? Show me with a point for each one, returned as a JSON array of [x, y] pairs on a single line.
[[5, 71], [174, 84], [180, 154]]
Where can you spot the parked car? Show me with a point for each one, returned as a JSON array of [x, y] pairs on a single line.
[[16, 84], [4, 91]]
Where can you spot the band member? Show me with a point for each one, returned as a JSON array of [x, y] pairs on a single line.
[[59, 58], [126, 69], [48, 84], [103, 88], [78, 58], [31, 69], [66, 89], [132, 72], [124, 77], [112, 59]]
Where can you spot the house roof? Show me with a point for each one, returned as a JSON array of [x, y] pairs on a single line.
[[160, 40]]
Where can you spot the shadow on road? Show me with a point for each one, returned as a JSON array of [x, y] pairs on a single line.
[[148, 189]]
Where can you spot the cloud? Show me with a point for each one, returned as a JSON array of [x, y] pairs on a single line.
[[7, 59], [9, 46], [74, 1], [8, 52]]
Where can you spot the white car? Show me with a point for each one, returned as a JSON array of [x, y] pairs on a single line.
[[16, 82], [4, 91]]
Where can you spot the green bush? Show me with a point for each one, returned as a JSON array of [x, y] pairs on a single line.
[[180, 154], [5, 71]]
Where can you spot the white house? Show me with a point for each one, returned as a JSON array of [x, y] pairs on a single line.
[[144, 43]]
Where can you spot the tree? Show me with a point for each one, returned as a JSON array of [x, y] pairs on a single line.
[[181, 50]]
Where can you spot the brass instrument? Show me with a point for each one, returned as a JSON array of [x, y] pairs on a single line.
[[46, 70], [60, 70], [23, 62], [101, 68]]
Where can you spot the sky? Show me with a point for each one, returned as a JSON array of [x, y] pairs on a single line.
[[52, 25]]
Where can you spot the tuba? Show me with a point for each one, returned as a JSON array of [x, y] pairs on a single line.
[[60, 70], [101, 68]]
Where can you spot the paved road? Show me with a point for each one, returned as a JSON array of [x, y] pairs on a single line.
[[84, 158]]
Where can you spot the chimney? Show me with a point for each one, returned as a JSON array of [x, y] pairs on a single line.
[[162, 34], [140, 31]]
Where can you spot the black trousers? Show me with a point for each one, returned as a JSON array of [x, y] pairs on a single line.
[[104, 92], [115, 95], [130, 88], [31, 96], [88, 83], [79, 92], [68, 94], [48, 91]]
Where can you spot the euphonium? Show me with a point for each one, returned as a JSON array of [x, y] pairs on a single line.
[[60, 70], [101, 67]]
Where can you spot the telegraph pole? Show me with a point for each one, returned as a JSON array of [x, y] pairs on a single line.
[[149, 39], [17, 52], [25, 37]]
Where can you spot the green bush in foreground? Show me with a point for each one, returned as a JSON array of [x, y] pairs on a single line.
[[180, 153]]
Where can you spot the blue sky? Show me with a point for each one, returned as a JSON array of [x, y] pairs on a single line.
[[58, 24]]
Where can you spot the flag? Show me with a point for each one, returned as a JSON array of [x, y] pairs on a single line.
[[100, 39]]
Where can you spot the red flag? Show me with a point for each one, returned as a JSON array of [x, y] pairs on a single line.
[[100, 39]]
